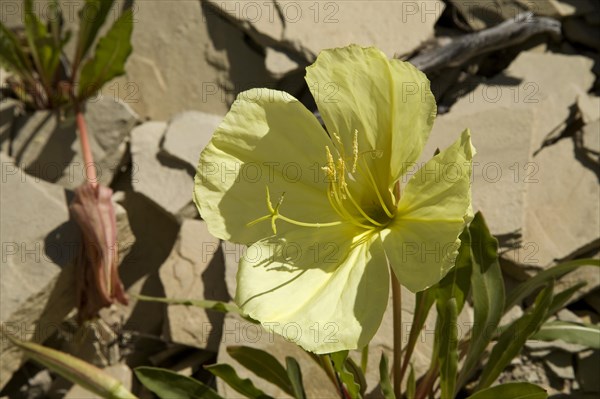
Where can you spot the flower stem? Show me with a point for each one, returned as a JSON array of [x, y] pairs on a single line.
[[88, 159], [397, 313]]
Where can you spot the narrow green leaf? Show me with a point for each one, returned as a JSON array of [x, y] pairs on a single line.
[[573, 333], [513, 390], [384, 378], [447, 335], [243, 386], [339, 365], [109, 58], [167, 384], [512, 340], [12, 56], [457, 283], [364, 358], [91, 18], [358, 375], [263, 365], [75, 370], [423, 302], [295, 374], [531, 285], [487, 287], [411, 384], [560, 299], [44, 51]]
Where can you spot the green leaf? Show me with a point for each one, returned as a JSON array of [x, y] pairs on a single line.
[[339, 365], [487, 286], [447, 335], [12, 56], [109, 58], [384, 378], [457, 283], [411, 384], [243, 386], [513, 390], [560, 299], [573, 333], [44, 50], [295, 374], [512, 340], [423, 302], [263, 365], [167, 384], [529, 286], [91, 18], [358, 375], [75, 370]]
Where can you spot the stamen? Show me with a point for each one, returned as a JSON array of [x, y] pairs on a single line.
[[355, 151], [379, 197]]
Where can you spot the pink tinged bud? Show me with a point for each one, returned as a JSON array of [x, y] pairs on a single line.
[[98, 283]]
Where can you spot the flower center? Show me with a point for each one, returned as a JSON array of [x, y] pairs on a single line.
[[338, 192], [342, 201]]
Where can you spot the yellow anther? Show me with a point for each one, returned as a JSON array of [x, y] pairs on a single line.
[[354, 151], [329, 169]]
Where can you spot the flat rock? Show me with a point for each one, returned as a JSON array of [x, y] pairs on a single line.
[[188, 133], [556, 228], [50, 149], [550, 84], [502, 137], [163, 180], [194, 270], [8, 108], [306, 28], [561, 364], [37, 240], [186, 58]]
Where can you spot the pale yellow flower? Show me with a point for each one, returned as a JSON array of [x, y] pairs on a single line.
[[320, 210]]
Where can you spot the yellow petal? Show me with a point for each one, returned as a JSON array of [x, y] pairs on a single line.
[[268, 139], [422, 241], [315, 290], [388, 102]]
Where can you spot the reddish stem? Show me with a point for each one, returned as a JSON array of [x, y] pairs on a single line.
[[88, 159]]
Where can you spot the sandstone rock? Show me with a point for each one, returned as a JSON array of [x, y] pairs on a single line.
[[186, 58], [306, 28], [502, 137], [557, 227], [237, 331], [547, 83], [188, 133], [547, 86], [8, 109], [194, 270], [165, 181], [50, 149], [279, 63], [232, 254], [33, 251], [561, 364]]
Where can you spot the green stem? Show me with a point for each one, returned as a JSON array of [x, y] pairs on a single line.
[[397, 319]]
